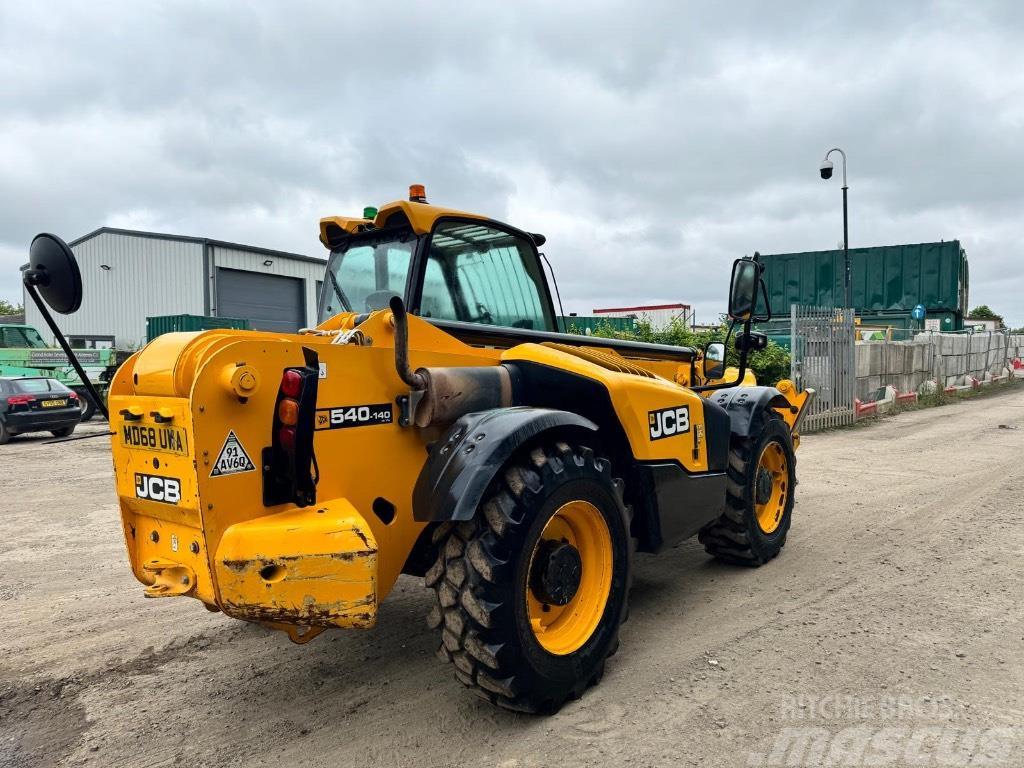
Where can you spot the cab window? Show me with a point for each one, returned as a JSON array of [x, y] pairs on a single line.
[[480, 274], [364, 275]]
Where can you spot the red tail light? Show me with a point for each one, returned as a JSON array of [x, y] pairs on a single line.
[[20, 399], [289, 464], [291, 383], [73, 395]]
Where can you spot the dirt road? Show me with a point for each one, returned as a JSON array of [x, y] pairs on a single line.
[[890, 628]]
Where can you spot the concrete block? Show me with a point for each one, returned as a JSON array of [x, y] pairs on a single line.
[[953, 344], [956, 364], [894, 356], [917, 362], [863, 356], [876, 359]]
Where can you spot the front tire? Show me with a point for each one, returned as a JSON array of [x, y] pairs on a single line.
[[760, 486], [531, 592]]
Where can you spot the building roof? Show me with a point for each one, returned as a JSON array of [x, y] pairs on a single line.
[[646, 308], [198, 240]]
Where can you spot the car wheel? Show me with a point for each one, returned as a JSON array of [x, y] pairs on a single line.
[[5, 435], [88, 406], [63, 432]]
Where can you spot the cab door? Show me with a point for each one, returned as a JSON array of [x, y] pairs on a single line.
[[479, 272]]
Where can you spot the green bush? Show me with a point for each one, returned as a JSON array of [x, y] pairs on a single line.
[[769, 365]]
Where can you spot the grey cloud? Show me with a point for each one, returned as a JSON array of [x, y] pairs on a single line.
[[652, 144]]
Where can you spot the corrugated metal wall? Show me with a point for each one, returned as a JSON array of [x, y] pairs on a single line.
[[309, 271], [146, 277], [151, 276]]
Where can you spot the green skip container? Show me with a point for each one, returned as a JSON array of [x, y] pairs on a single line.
[[161, 324]]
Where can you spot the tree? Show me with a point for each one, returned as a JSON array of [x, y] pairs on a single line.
[[7, 308], [984, 313]]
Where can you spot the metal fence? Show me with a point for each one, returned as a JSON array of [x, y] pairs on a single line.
[[822, 358]]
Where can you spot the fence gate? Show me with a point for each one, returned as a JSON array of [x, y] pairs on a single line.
[[823, 359]]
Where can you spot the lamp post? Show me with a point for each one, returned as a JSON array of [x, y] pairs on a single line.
[[826, 173]]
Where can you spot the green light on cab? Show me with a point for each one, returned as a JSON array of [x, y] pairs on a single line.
[[369, 212]]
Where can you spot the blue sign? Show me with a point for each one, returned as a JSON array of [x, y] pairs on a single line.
[[917, 312]]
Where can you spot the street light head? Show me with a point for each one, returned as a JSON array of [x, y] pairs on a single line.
[[826, 169]]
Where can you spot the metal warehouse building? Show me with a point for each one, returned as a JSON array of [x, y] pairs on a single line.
[[129, 276]]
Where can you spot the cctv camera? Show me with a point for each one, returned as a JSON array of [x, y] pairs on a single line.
[[826, 169]]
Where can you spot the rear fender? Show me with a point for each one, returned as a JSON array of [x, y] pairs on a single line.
[[464, 462], [748, 406]]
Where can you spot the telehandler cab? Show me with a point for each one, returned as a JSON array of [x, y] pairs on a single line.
[[435, 423]]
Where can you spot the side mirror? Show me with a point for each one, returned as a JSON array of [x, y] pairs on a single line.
[[743, 289], [714, 361], [52, 277], [53, 270]]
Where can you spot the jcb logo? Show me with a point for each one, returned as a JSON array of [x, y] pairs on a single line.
[[154, 488], [669, 421]]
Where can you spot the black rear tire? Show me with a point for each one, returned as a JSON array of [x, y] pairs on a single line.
[[63, 432], [87, 405], [483, 573], [5, 434], [737, 536]]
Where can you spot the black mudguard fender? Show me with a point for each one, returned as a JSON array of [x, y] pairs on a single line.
[[747, 407], [463, 463]]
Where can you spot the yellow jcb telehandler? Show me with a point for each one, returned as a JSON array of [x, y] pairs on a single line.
[[436, 423]]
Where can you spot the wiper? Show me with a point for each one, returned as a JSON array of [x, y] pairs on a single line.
[[345, 303]]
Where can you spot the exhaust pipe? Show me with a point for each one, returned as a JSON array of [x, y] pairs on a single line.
[[413, 378], [442, 395]]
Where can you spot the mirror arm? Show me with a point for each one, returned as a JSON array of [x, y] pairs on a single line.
[[30, 280], [743, 364]]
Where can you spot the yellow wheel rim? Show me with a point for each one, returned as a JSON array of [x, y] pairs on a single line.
[[562, 629], [771, 487]]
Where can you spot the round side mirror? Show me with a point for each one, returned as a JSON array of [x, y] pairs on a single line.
[[53, 270]]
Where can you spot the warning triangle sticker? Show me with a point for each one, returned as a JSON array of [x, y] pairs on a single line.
[[232, 458]]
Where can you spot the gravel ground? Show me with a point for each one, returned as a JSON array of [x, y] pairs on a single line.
[[889, 632]]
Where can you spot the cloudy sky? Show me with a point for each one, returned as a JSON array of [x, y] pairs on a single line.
[[652, 142]]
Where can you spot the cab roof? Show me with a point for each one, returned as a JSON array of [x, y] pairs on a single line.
[[420, 216]]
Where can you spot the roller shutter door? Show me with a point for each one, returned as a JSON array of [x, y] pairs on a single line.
[[268, 302]]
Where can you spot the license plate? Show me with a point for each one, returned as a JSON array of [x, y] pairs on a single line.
[[54, 403], [156, 438]]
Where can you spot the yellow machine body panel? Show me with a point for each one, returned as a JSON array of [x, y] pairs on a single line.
[[639, 400], [223, 514], [315, 566]]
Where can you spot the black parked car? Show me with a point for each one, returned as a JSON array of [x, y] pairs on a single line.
[[37, 405]]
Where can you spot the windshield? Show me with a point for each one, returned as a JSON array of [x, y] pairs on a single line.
[[364, 274], [21, 338]]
